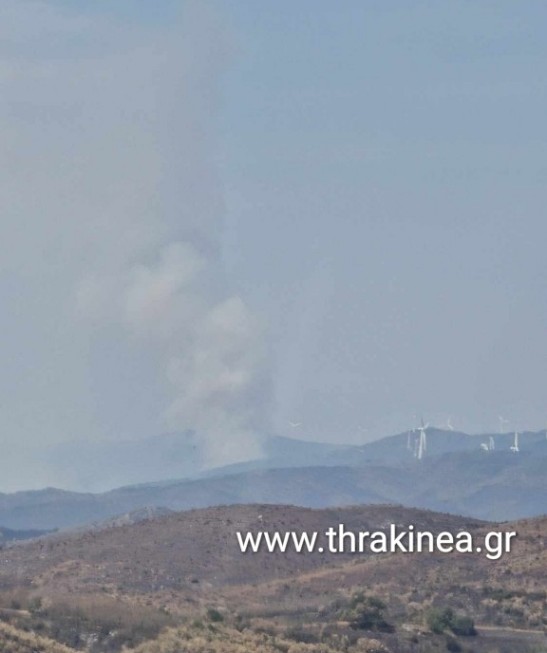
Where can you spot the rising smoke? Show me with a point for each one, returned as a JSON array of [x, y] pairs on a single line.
[[171, 294], [209, 344], [119, 213]]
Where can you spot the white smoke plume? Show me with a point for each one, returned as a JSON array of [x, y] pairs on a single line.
[[171, 294], [210, 345], [114, 225]]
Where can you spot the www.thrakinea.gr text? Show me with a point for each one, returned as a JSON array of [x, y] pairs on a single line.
[[395, 539]]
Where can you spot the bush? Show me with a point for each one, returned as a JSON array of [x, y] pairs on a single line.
[[214, 615], [35, 604], [367, 613], [463, 626], [453, 646], [440, 620]]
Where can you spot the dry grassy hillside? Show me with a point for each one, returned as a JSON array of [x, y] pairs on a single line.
[[174, 551], [180, 580], [209, 638], [13, 640]]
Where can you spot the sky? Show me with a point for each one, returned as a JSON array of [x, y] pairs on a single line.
[[229, 216]]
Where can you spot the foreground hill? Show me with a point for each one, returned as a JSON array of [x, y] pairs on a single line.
[[179, 582], [496, 485], [14, 640], [179, 548]]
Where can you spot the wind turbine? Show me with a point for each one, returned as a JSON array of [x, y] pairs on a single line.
[[295, 425], [515, 447], [449, 424], [422, 440], [490, 445]]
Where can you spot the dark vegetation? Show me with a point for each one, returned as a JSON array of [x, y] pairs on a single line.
[[441, 620], [368, 613]]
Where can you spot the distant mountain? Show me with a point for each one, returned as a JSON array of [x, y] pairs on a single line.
[[129, 518], [96, 466], [400, 449], [9, 535], [280, 452], [101, 466], [497, 485]]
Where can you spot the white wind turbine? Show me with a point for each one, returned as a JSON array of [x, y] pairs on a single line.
[[422, 440], [515, 446], [449, 424]]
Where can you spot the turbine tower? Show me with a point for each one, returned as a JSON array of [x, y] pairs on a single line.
[[490, 445], [422, 440], [515, 447]]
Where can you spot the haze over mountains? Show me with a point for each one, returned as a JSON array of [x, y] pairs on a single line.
[[456, 475], [99, 466]]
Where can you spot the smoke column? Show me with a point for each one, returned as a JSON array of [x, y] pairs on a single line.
[[170, 293], [113, 231]]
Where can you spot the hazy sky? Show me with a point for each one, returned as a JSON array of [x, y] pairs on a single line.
[[231, 215]]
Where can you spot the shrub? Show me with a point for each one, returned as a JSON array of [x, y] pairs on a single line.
[[463, 626], [453, 646], [440, 620], [35, 604], [367, 613], [214, 615]]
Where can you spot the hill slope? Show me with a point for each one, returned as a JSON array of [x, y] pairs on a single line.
[[496, 485], [185, 572], [14, 640]]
